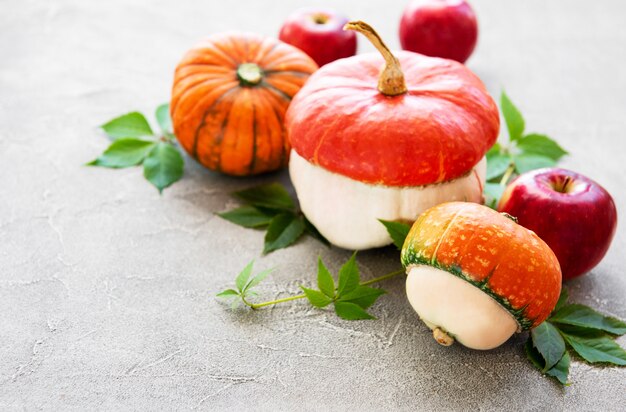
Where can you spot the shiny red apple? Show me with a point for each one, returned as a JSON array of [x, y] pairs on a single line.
[[319, 33], [574, 215], [440, 28]]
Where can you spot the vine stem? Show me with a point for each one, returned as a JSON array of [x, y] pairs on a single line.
[[273, 302], [507, 174], [302, 296]]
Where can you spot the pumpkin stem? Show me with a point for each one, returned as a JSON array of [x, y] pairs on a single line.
[[391, 80], [249, 74], [442, 337]]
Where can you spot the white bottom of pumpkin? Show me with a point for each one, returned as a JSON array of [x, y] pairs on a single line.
[[459, 308], [346, 211]]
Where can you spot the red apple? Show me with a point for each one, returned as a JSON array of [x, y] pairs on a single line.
[[574, 215], [440, 28], [320, 34]]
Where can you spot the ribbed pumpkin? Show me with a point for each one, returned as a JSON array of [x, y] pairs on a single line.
[[229, 99]]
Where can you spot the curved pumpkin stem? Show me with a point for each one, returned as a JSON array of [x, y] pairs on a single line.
[[391, 80]]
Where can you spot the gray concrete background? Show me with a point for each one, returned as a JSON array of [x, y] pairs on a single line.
[[106, 288]]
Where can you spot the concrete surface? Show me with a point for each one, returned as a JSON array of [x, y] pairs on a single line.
[[106, 288]]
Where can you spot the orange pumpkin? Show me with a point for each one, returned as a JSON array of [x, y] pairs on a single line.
[[476, 276], [481, 246], [229, 99]]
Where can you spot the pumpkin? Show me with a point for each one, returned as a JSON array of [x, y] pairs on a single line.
[[373, 144], [229, 99], [477, 276]]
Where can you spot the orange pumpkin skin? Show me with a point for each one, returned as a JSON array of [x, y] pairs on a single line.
[[229, 99], [505, 260], [436, 131]]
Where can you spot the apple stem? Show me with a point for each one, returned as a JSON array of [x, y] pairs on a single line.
[[391, 80], [565, 185]]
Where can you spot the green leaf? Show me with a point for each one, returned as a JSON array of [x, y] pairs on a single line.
[[163, 118], [256, 280], [584, 316], [351, 311], [124, 153], [512, 117], [325, 280], [494, 192], [273, 196], [348, 276], [527, 162], [542, 145], [495, 149], [560, 371], [129, 125], [242, 278], [533, 355], [549, 343], [596, 348], [247, 216], [497, 164], [364, 296], [228, 293], [163, 166], [284, 229], [312, 230], [562, 300], [398, 231], [317, 298]]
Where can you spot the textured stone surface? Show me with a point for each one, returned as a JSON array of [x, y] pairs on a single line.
[[106, 288]]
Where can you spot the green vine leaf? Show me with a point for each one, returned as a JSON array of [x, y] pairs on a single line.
[[348, 276], [242, 278], [228, 293], [512, 117], [542, 145], [596, 348], [163, 166], [132, 124], [164, 120], [161, 159], [563, 297], [256, 280], [325, 280], [497, 163], [283, 230], [559, 371], [526, 162], [124, 153], [584, 316], [316, 298], [397, 231], [272, 196], [549, 343], [350, 305], [351, 311], [271, 206], [363, 296], [244, 282], [248, 216], [521, 154], [493, 192], [580, 328]]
